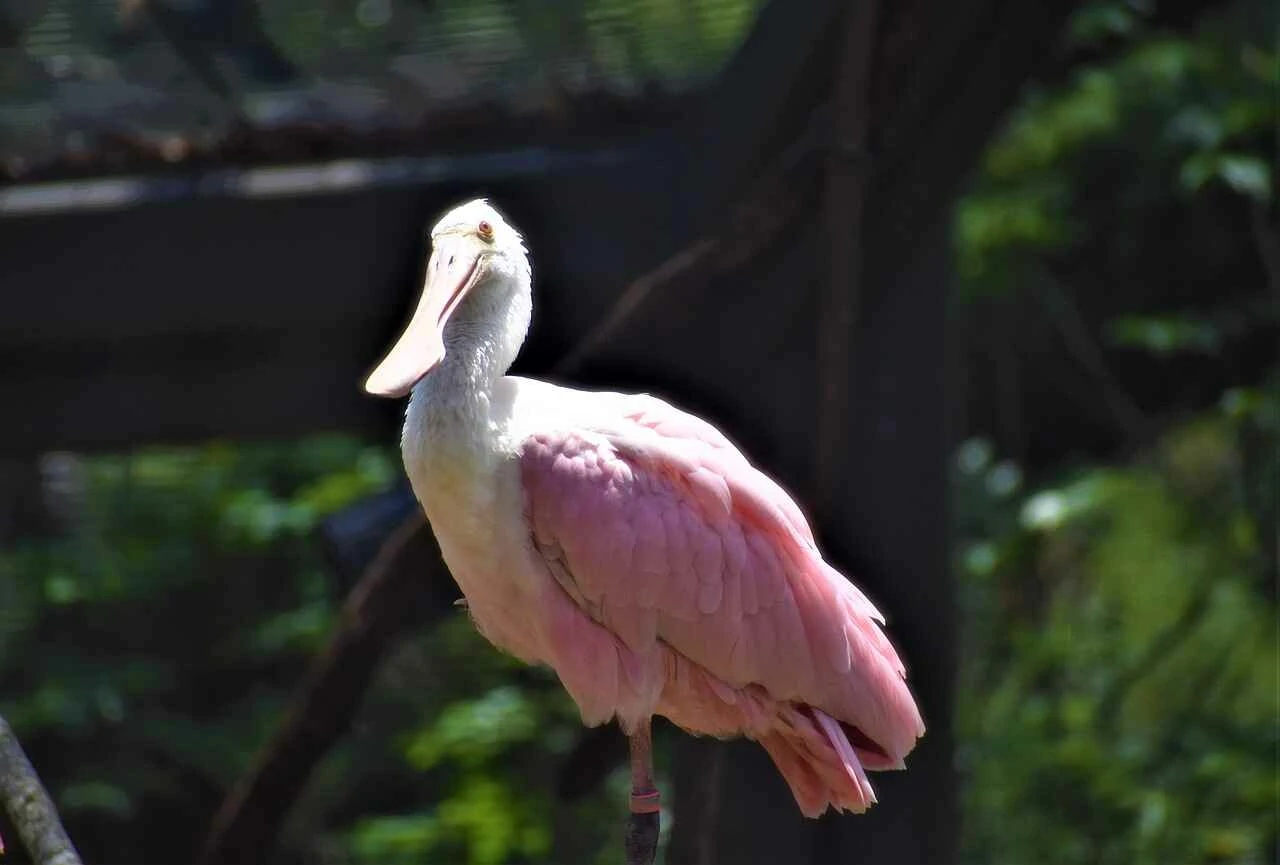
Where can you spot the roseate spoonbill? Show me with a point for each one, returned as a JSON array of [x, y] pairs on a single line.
[[631, 546]]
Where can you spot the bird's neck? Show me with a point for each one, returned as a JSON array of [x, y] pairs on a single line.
[[451, 412], [450, 407]]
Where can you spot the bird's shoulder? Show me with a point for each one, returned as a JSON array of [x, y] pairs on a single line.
[[542, 409]]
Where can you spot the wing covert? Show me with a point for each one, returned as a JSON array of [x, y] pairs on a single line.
[[666, 532]]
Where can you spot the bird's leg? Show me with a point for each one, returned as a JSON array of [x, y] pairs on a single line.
[[644, 790], [642, 828]]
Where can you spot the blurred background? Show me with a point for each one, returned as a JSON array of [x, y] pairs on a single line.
[[992, 286]]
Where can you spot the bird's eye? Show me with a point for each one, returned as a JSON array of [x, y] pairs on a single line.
[[485, 230]]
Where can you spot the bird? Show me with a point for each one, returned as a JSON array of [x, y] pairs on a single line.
[[631, 547]]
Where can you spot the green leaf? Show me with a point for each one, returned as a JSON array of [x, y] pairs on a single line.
[[302, 629], [1249, 175], [1246, 174], [1165, 335], [475, 730], [97, 796], [393, 840], [1196, 126]]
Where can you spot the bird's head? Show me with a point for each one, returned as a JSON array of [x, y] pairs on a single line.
[[477, 280]]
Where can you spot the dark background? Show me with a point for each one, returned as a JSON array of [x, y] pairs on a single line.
[[991, 286]]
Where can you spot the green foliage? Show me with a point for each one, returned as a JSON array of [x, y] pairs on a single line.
[[1161, 112], [480, 740], [473, 732], [1120, 693], [148, 653], [1117, 701], [672, 42], [152, 652], [1166, 334], [491, 821]]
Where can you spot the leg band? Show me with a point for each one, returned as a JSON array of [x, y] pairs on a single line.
[[648, 802]]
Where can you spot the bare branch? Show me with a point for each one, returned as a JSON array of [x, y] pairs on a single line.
[[29, 807]]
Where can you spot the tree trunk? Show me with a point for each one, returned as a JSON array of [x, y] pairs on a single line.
[[888, 531]]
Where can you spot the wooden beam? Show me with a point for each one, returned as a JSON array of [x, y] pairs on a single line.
[[191, 388], [154, 319]]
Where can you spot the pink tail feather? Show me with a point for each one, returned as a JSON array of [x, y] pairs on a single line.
[[848, 758], [824, 761], [818, 762]]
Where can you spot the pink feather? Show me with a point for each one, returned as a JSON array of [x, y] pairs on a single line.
[[688, 584]]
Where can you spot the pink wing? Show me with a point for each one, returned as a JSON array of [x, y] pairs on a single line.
[[698, 592]]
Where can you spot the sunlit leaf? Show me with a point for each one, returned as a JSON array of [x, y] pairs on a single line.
[[97, 796], [475, 730], [1247, 174], [1164, 335]]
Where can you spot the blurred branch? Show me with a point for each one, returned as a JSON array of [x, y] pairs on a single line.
[[695, 843], [597, 752], [394, 594], [711, 814], [758, 220], [1011, 410], [845, 197], [1063, 314], [685, 266], [170, 26], [1266, 236], [1156, 652], [29, 807]]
